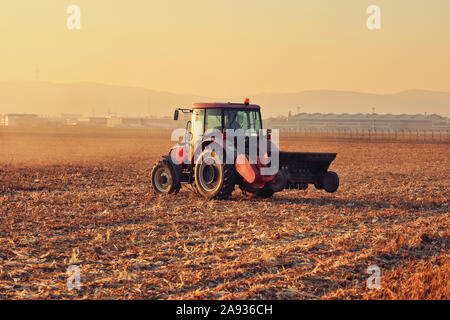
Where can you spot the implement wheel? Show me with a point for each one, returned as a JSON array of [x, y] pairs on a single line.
[[330, 181]]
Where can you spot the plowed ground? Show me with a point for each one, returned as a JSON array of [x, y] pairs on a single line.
[[70, 198]]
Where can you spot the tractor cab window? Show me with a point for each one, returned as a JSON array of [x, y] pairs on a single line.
[[255, 120], [213, 119], [198, 118], [242, 119]]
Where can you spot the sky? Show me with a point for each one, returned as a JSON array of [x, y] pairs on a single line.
[[230, 48]]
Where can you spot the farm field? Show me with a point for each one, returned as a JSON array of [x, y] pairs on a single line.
[[84, 198]]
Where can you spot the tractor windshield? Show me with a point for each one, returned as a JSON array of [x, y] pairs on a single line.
[[217, 118], [242, 119], [213, 119]]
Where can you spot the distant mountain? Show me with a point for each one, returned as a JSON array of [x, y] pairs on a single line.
[[92, 98], [89, 99]]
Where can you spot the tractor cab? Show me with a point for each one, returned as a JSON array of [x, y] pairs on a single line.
[[244, 119], [221, 117]]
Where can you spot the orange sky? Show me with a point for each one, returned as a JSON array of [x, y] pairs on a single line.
[[234, 47]]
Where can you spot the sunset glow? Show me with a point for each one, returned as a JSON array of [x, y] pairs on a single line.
[[230, 48]]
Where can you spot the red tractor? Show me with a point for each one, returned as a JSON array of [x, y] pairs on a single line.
[[239, 152]]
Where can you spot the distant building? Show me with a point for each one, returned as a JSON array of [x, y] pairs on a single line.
[[70, 119], [359, 122], [165, 122], [118, 122], [136, 122], [133, 122], [16, 119], [113, 122], [98, 121]]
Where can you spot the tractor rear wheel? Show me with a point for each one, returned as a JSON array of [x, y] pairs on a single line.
[[213, 178], [163, 178]]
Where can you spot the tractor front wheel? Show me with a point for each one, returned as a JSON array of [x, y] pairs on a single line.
[[163, 178]]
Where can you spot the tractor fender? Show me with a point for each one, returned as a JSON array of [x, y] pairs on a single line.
[[179, 153]]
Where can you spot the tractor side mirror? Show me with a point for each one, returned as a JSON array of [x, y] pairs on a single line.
[[175, 114]]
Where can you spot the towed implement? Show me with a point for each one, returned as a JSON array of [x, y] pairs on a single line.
[[224, 146]]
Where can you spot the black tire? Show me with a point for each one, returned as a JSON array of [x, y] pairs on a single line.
[[318, 185], [214, 180], [164, 180], [330, 181], [265, 193]]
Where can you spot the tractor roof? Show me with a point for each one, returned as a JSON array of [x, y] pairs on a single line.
[[228, 105]]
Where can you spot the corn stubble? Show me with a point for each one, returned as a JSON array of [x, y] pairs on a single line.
[[86, 200]]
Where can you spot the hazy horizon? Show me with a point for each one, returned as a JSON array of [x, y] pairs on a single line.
[[93, 98], [220, 98]]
